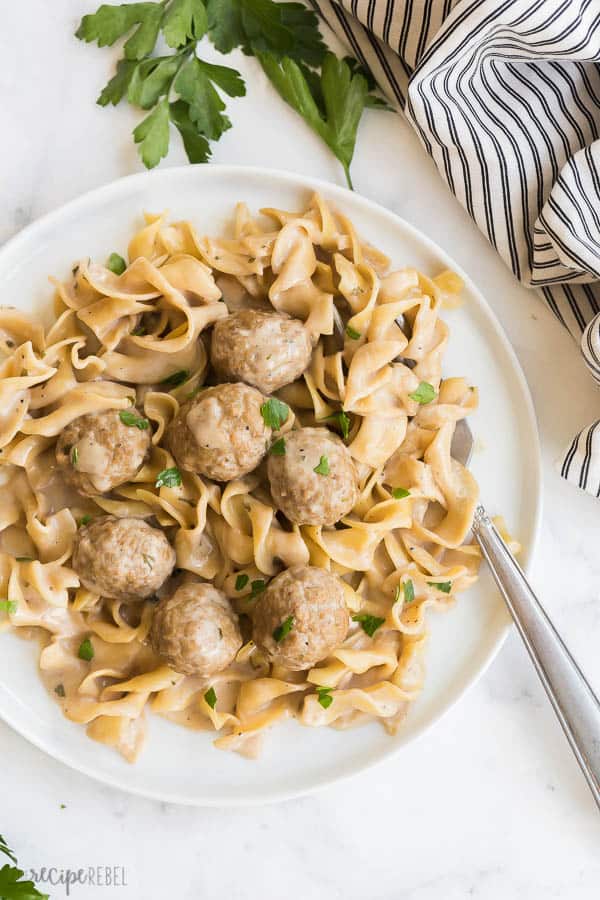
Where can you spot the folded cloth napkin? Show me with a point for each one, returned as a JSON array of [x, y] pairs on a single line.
[[505, 97]]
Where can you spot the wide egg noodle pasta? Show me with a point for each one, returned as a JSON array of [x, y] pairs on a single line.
[[377, 335]]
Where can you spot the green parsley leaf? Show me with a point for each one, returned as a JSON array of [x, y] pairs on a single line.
[[12, 886], [117, 87], [60, 690], [133, 420], [284, 629], [116, 264], [176, 378], [258, 587], [323, 466], [152, 134], [142, 41], [205, 106], [225, 24], [229, 80], [195, 144], [152, 79], [369, 623], [409, 591], [400, 493], [109, 23], [324, 696], [24, 558], [8, 606], [4, 848], [184, 20], [241, 581], [343, 420], [352, 333], [168, 478], [308, 46], [211, 697], [84, 521], [86, 650], [278, 448], [424, 393], [444, 586], [344, 98], [74, 456], [274, 413]]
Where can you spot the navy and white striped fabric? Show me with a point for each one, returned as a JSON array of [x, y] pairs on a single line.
[[505, 96]]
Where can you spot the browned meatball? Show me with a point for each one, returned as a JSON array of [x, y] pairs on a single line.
[[97, 452], [264, 349], [125, 559], [221, 432], [315, 481], [301, 617], [195, 630]]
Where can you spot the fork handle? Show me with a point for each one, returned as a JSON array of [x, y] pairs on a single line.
[[573, 699]]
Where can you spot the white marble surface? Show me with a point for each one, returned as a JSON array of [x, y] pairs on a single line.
[[490, 804]]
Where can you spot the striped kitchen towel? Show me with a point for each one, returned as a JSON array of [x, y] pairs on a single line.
[[505, 96]]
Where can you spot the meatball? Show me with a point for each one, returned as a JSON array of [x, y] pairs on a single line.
[[97, 452], [301, 617], [315, 481], [125, 559], [195, 630], [221, 432], [264, 349]]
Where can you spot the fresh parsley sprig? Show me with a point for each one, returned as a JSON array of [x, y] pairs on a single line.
[[182, 90], [12, 885]]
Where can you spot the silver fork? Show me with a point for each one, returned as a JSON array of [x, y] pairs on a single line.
[[572, 698]]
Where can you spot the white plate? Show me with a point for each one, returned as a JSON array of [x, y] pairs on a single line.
[[183, 766]]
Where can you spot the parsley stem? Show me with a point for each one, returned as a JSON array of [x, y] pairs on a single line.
[[348, 177]]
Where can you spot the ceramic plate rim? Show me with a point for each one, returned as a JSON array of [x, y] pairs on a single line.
[[103, 192]]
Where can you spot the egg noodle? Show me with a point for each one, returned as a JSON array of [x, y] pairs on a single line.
[[400, 552]]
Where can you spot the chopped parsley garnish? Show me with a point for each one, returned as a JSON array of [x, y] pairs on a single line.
[[176, 378], [258, 587], [241, 581], [444, 586], [275, 413], [324, 696], [60, 690], [149, 560], [84, 520], [323, 467], [8, 606], [132, 419], [168, 478], [24, 558], [139, 330], [400, 493], [343, 420], [369, 624], [409, 591], [278, 448], [284, 629], [74, 456], [211, 697], [352, 333], [86, 650], [116, 264], [424, 393]]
